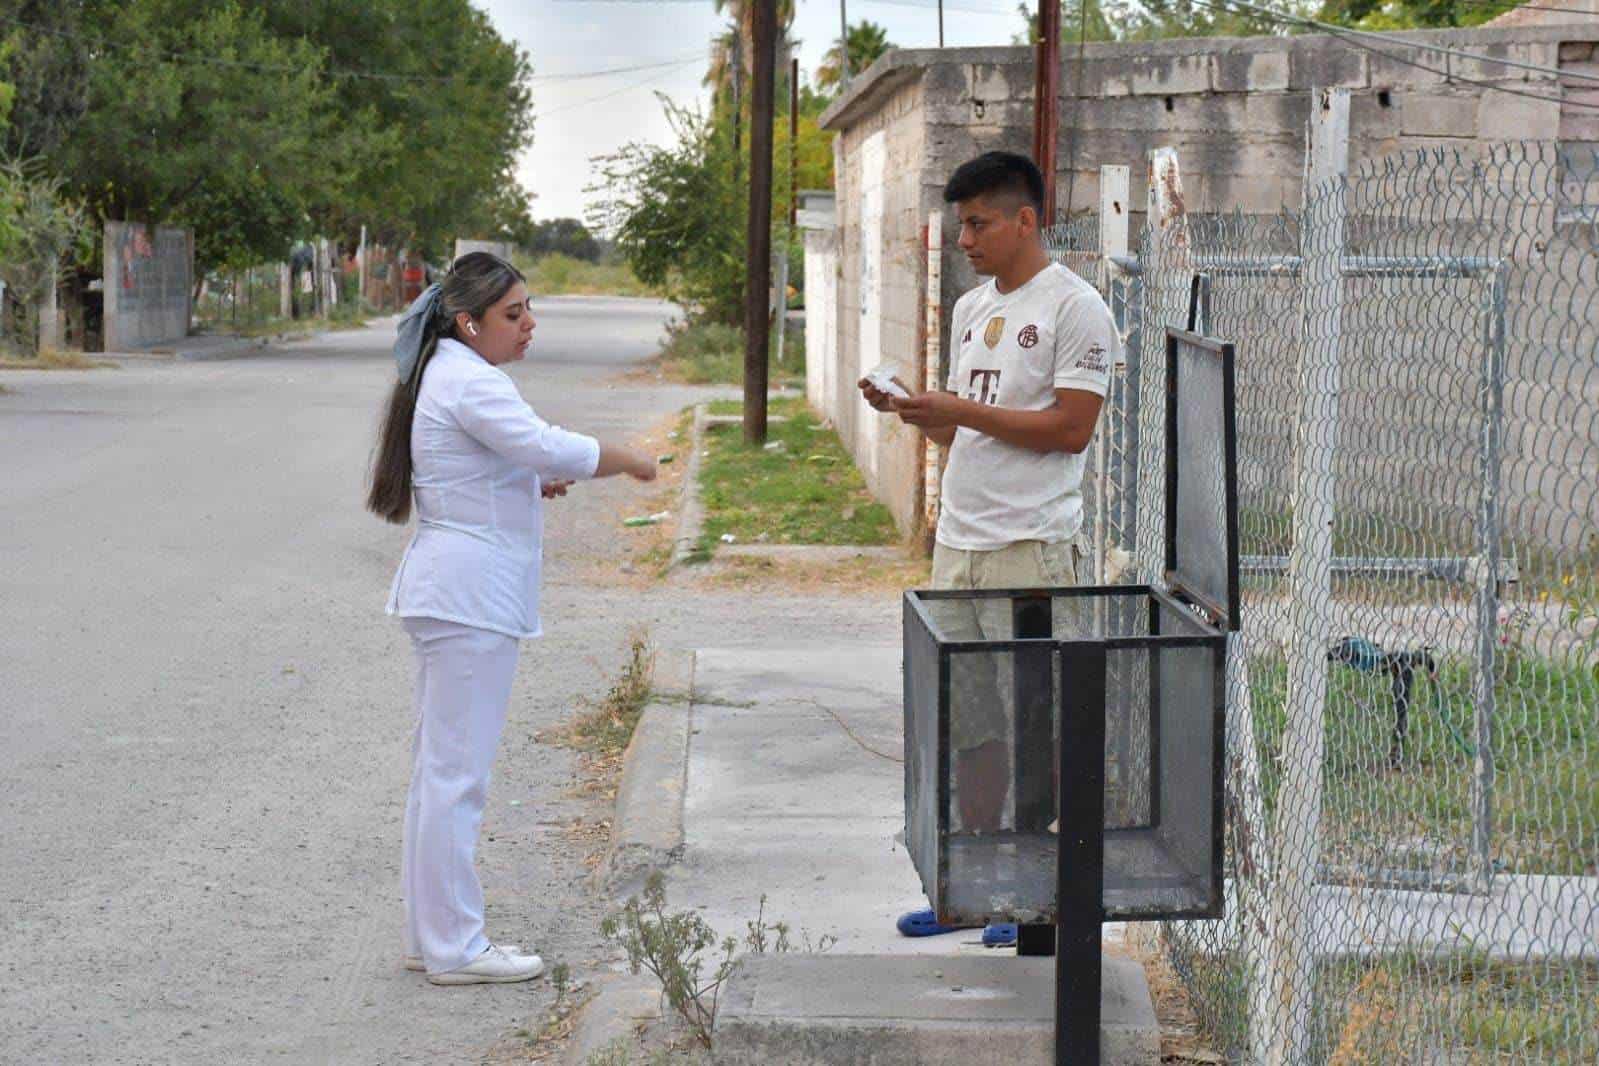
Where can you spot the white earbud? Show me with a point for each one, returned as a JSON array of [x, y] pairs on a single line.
[[471, 328]]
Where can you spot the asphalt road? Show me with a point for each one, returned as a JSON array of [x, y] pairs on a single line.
[[205, 715]]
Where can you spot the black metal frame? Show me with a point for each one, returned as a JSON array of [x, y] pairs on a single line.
[[1227, 613]]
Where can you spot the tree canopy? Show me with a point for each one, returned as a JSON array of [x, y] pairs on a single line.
[[261, 123]]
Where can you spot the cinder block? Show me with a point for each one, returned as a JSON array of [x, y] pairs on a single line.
[[1250, 72], [1326, 63], [1169, 75], [988, 82], [1509, 117], [1434, 115], [944, 80], [1370, 118], [1277, 114]]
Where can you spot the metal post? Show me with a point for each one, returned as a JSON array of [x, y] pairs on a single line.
[[758, 232], [1046, 101], [1114, 190], [843, 43], [932, 370], [1033, 767], [1167, 224], [940, 23], [1487, 593], [1080, 857], [1296, 835]]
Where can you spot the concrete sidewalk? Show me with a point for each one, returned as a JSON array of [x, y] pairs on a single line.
[[792, 788], [796, 791]]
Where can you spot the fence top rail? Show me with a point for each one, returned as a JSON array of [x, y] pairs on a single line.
[[1354, 266]]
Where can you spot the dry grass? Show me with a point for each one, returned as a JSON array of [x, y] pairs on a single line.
[[55, 359], [1182, 1040], [865, 577]]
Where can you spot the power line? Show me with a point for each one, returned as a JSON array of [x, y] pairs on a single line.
[[1342, 31], [1354, 38], [615, 92], [1513, 6], [338, 72]]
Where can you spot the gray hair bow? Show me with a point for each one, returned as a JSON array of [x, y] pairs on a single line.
[[413, 326]]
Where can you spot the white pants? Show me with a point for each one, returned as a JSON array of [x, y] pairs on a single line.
[[463, 686]]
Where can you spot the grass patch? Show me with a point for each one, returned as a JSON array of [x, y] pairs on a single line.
[[709, 353], [54, 359], [556, 274], [606, 727], [1546, 761], [1425, 1008], [1437, 1006], [803, 488]]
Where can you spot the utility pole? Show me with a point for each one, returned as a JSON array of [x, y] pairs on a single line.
[[1046, 101], [793, 205], [738, 106], [940, 23], [843, 41], [793, 144], [757, 321]]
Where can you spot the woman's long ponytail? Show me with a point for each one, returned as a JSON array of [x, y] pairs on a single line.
[[390, 495], [475, 283]]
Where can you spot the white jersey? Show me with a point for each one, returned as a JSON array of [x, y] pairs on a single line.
[[1014, 350]]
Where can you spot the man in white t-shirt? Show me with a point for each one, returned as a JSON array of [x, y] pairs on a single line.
[[1030, 354]]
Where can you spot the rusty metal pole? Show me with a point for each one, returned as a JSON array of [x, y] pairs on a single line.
[[758, 234], [1046, 101]]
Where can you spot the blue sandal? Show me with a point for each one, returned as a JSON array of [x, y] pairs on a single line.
[[922, 923], [1000, 935]]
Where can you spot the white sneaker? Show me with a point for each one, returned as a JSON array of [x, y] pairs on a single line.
[[415, 964], [494, 966]]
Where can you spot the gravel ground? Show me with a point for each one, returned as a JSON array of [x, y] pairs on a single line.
[[205, 716]]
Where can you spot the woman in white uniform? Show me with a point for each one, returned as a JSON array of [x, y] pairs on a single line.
[[459, 440]]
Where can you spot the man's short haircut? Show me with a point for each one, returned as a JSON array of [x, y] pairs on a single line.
[[997, 174]]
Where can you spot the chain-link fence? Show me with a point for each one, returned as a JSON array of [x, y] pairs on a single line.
[[1413, 722]]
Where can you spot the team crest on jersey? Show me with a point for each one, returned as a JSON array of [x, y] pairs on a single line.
[[1028, 337], [995, 330]]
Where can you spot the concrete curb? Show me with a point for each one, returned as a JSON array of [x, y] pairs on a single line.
[[647, 827], [690, 514], [624, 1004]]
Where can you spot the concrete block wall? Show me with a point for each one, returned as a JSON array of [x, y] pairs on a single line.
[[889, 454], [149, 284], [1235, 110]]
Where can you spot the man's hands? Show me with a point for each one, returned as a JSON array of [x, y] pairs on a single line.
[[554, 487], [876, 397], [929, 410]]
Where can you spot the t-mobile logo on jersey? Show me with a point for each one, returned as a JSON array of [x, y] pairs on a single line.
[[984, 387]]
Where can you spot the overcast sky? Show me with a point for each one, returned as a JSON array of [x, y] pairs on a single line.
[[578, 118]]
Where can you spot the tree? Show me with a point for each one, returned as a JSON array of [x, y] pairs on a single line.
[[674, 213], [428, 149], [1145, 20], [236, 146], [866, 42], [44, 55], [566, 236], [41, 234], [1411, 14]]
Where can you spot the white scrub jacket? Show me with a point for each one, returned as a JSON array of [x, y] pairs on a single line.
[[479, 456]]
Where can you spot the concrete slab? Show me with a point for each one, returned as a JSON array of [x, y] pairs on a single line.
[[796, 792], [840, 1010]]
